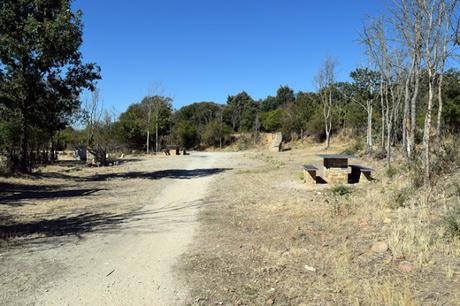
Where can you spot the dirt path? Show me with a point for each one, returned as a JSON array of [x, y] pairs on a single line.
[[134, 264]]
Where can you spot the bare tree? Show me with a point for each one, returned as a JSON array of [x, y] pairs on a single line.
[[407, 19], [325, 80], [447, 10], [388, 58], [153, 107], [93, 111]]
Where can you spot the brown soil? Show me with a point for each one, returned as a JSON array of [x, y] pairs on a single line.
[[266, 238]]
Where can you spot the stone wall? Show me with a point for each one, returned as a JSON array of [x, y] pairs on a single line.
[[336, 175]]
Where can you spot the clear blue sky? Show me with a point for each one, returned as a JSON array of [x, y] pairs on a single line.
[[205, 50]]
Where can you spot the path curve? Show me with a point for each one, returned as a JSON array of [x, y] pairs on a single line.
[[136, 267]]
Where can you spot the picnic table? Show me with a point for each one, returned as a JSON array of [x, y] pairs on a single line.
[[337, 170]]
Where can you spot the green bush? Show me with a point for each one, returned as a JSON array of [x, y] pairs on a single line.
[[401, 197], [341, 190], [354, 148], [452, 223]]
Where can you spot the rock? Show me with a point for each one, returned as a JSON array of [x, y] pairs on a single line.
[[364, 223], [379, 247], [387, 220], [308, 268], [406, 266], [269, 302]]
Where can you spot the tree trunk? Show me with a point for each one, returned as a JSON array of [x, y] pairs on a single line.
[[24, 155], [439, 117], [427, 131], [405, 121], [388, 125], [413, 114], [369, 128], [148, 141], [382, 104], [156, 136]]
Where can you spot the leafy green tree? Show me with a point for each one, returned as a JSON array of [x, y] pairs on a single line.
[[199, 113], [451, 109], [216, 133], [284, 95], [131, 126], [185, 135], [41, 68], [151, 115], [158, 110], [272, 120], [243, 110]]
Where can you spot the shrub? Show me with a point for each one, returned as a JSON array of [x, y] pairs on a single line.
[[452, 223], [391, 171], [401, 198], [380, 154], [341, 190]]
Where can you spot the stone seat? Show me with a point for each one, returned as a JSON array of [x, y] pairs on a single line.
[[357, 170], [309, 174]]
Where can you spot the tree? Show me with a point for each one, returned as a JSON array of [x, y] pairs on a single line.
[[184, 133], [325, 80], [273, 120], [92, 117], [243, 111], [158, 110], [365, 84], [41, 70], [284, 95], [216, 133], [436, 35]]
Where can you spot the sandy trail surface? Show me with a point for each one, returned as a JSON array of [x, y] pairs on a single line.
[[132, 264]]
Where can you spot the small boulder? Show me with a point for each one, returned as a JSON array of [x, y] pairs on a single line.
[[308, 268], [406, 266], [379, 247]]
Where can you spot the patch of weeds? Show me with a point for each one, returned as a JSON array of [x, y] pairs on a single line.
[[416, 174], [340, 207], [353, 149], [381, 154], [391, 171], [249, 290], [452, 224], [341, 190], [401, 198], [301, 176]]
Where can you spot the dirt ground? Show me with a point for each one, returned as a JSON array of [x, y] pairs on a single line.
[[226, 229], [102, 236], [266, 238]]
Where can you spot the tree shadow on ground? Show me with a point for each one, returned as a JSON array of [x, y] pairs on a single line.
[[49, 232], [155, 175], [18, 194]]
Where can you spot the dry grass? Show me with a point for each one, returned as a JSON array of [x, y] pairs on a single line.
[[264, 226]]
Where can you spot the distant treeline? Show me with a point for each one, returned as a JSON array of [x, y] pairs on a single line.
[[295, 114], [406, 96]]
